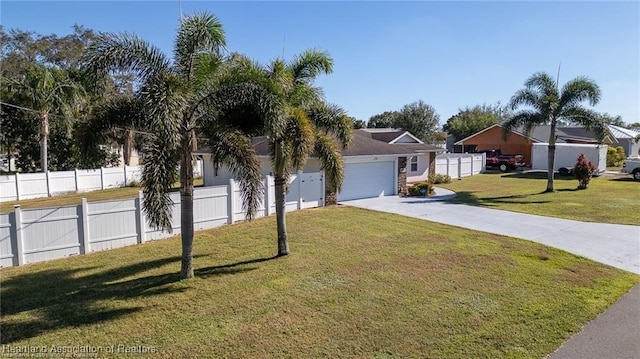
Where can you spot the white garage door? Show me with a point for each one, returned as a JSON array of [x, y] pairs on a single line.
[[368, 179]]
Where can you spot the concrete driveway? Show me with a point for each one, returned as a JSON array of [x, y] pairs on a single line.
[[612, 244]]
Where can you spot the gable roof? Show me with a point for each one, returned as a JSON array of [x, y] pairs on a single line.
[[541, 134], [623, 133], [390, 135], [362, 144]]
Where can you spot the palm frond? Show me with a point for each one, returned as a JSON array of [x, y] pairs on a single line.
[[526, 120], [330, 159], [299, 138], [526, 97], [232, 148], [159, 173], [543, 83], [198, 34], [591, 120], [332, 119], [308, 65], [125, 52], [578, 90]]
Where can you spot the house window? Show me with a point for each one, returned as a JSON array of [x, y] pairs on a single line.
[[414, 164]]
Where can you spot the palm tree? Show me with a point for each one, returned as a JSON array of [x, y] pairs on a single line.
[[51, 93], [310, 125], [196, 93], [547, 104]]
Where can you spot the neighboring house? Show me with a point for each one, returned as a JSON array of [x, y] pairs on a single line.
[[373, 166], [627, 139], [491, 138]]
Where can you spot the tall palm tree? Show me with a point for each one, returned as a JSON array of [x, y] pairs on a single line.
[[51, 93], [310, 125], [197, 92], [547, 104]]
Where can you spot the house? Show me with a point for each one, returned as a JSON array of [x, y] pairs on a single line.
[[627, 139], [519, 143], [373, 166]]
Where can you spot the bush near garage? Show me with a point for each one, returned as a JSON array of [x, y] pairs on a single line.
[[416, 189]]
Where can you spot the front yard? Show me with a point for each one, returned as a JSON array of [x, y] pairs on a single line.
[[357, 284], [609, 199]]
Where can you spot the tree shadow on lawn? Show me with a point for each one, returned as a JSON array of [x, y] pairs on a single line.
[[61, 298], [469, 197], [537, 175]]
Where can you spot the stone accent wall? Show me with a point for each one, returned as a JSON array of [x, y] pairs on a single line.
[[402, 176]]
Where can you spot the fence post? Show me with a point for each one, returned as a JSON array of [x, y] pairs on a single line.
[[232, 194], [472, 159], [101, 178], [75, 175], [141, 220], [17, 186], [460, 167], [86, 246], [300, 200], [19, 234], [48, 183], [322, 190], [125, 176], [267, 200], [448, 159]]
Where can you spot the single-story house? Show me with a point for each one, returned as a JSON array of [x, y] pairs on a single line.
[[519, 143], [373, 167], [627, 139]]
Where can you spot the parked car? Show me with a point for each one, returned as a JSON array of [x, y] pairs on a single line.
[[495, 159], [632, 167]]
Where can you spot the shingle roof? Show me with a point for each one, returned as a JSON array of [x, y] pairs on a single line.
[[362, 144]]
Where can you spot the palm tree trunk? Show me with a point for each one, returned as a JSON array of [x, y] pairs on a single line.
[[186, 206], [127, 146], [44, 135], [283, 241], [551, 154]]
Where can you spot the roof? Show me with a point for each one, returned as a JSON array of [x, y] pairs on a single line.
[[541, 134], [362, 144], [621, 132], [390, 135]]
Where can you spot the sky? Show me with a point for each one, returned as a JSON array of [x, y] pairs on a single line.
[[388, 54]]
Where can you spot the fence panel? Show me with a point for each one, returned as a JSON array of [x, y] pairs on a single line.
[[152, 234], [312, 187], [50, 233], [113, 177], [210, 207], [112, 224], [134, 173], [89, 180], [465, 166], [33, 185], [8, 188], [62, 182], [7, 240]]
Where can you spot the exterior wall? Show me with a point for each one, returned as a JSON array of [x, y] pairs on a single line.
[[422, 174], [405, 139], [223, 175], [492, 140], [631, 149]]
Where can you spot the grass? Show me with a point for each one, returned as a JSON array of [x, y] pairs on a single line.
[[607, 200], [357, 284], [72, 199]]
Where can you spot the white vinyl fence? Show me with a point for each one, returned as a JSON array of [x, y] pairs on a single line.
[[34, 235], [34, 185], [458, 165]]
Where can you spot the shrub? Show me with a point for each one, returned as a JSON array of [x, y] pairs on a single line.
[[416, 188], [439, 178], [583, 171], [615, 156]]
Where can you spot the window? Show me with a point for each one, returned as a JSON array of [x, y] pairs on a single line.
[[414, 164]]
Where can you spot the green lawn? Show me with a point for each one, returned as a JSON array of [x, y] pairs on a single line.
[[608, 199], [76, 198], [357, 284]]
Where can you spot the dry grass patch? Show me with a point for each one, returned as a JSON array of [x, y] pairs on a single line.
[[357, 284]]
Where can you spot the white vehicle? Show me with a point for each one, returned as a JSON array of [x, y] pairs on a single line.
[[567, 155], [632, 167]]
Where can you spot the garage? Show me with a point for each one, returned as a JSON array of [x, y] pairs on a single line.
[[368, 179]]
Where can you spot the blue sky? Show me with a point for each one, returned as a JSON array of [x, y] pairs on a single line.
[[388, 54]]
